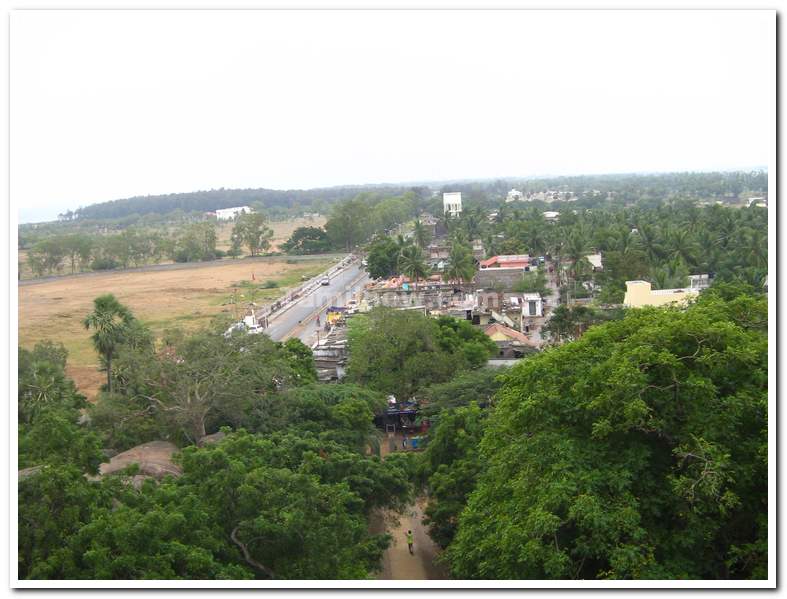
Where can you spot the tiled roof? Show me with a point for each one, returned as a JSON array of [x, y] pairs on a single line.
[[512, 334]]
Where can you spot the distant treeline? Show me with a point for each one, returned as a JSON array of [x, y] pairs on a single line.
[[271, 200], [624, 188]]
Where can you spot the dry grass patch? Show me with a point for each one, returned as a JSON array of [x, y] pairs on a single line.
[[188, 298]]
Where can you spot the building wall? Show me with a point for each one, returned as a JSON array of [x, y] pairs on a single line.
[[431, 299], [640, 293], [230, 213], [452, 202], [489, 278]]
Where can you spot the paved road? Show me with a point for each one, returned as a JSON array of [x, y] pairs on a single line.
[[299, 320]]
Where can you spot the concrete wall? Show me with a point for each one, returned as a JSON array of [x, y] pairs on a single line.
[[431, 299], [640, 293], [489, 278]]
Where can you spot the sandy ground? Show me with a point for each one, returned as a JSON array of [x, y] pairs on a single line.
[[397, 563], [187, 298]]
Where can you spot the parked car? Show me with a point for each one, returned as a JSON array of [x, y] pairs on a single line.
[[325, 281]]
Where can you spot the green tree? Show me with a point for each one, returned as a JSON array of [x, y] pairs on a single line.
[[421, 234], [461, 266], [399, 352], [307, 240], [451, 464], [110, 321], [382, 259], [411, 263], [637, 452], [253, 231]]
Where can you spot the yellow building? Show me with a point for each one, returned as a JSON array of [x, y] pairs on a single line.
[[639, 294]]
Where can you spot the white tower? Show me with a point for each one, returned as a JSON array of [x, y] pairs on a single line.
[[452, 202]]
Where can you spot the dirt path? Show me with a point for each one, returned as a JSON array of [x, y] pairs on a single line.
[[397, 563]]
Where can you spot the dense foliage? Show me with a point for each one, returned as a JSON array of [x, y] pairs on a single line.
[[287, 495], [638, 451], [215, 199], [399, 352], [307, 240]]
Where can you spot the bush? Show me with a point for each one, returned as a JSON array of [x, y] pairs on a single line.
[[269, 284], [104, 264]]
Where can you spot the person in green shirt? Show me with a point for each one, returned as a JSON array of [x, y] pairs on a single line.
[[410, 541]]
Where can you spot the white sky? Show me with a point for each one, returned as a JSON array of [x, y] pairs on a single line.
[[112, 104]]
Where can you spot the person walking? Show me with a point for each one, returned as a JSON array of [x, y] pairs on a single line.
[[404, 442], [410, 541]]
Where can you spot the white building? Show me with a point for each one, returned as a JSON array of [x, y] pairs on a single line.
[[551, 215], [452, 203], [230, 213], [514, 196], [595, 262], [532, 305]]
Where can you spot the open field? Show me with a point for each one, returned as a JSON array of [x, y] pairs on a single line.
[[176, 297]]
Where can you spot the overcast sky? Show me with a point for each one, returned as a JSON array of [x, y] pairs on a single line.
[[112, 104]]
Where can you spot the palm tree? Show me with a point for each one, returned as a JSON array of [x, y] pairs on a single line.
[[460, 263], [649, 241], [575, 249], [680, 244], [110, 320], [411, 263], [420, 234], [756, 248]]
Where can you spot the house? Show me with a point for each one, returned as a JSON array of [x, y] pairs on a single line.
[[699, 282], [514, 196], [438, 250], [230, 213], [595, 262], [331, 354], [452, 203], [551, 215], [532, 305], [478, 249], [429, 222], [639, 294], [503, 272], [510, 342], [506, 261]]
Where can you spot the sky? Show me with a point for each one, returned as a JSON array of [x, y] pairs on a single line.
[[114, 104]]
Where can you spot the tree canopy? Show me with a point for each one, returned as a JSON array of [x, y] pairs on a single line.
[[638, 451]]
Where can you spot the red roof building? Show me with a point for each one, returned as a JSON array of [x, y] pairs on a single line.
[[506, 261]]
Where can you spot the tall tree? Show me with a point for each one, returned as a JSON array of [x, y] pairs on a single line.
[[411, 263], [253, 231], [637, 452], [421, 234], [461, 267], [110, 321]]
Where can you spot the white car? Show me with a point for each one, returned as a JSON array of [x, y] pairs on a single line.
[[325, 281]]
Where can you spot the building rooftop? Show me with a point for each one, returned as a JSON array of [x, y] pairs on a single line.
[[509, 260], [510, 333]]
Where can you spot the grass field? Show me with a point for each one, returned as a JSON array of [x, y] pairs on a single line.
[[180, 297]]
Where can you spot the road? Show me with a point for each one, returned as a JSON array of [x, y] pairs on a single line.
[[300, 319]]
